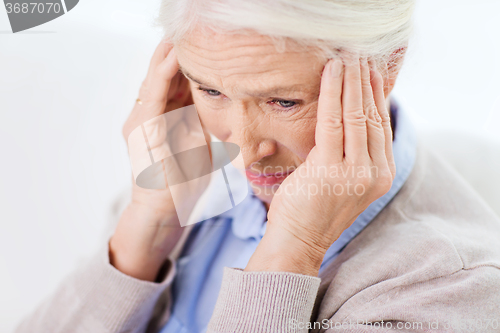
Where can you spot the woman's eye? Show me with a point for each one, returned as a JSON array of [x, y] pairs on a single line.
[[284, 103], [210, 92]]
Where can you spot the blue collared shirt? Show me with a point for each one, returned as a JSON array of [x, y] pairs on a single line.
[[230, 239]]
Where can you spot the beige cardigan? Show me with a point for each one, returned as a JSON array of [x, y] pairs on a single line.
[[430, 259]]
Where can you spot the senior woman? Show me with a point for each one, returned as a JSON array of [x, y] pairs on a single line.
[[393, 239]]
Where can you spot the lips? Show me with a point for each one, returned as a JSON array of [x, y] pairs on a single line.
[[266, 179]]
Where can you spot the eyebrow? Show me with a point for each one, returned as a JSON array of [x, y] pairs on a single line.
[[266, 93], [189, 76]]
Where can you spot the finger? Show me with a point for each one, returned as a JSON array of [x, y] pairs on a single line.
[[153, 101], [329, 135], [355, 136], [375, 132], [160, 82], [377, 83], [159, 54], [154, 96]]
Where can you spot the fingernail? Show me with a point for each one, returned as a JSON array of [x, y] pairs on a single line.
[[335, 68]]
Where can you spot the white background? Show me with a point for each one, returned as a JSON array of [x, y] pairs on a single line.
[[67, 86]]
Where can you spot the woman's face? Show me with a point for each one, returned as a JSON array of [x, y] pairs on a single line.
[[249, 94]]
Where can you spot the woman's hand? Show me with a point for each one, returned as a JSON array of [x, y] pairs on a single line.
[[148, 228], [350, 166]]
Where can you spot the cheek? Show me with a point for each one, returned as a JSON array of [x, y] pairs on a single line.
[[298, 133], [302, 140]]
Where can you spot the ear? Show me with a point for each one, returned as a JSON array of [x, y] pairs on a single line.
[[394, 64]]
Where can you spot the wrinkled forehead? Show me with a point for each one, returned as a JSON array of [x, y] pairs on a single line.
[[221, 59]]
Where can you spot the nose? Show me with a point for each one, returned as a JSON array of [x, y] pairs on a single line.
[[266, 147], [253, 137]]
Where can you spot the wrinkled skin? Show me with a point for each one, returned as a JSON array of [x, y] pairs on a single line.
[[275, 131]]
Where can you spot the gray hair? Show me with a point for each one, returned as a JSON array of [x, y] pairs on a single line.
[[371, 28]]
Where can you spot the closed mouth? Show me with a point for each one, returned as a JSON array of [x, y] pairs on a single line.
[[277, 174]]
